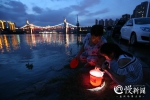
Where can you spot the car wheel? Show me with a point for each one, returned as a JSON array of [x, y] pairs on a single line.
[[133, 40]]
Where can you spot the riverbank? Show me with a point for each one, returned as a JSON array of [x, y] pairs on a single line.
[[71, 84]]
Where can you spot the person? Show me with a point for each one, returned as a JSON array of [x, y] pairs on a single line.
[[121, 66], [92, 42]]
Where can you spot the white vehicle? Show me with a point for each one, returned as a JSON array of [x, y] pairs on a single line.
[[136, 30]]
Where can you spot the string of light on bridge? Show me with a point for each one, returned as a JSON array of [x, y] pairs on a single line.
[[61, 24]]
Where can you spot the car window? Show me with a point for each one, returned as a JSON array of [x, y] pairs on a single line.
[[130, 22], [120, 23], [142, 21]]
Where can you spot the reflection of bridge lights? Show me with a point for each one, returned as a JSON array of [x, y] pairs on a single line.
[[6, 43], [12, 42], [15, 42], [33, 40], [67, 40], [45, 32], [1, 45]]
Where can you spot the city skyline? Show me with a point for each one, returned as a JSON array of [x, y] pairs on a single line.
[[52, 12]]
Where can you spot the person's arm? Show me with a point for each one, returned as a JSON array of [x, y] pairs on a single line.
[[119, 78], [116, 77]]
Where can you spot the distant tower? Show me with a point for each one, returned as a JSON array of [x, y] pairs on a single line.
[[27, 22], [77, 22], [28, 28], [77, 25], [65, 26]]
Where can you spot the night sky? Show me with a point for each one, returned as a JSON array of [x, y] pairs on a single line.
[[53, 12]]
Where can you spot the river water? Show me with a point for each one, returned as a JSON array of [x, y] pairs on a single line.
[[46, 53]]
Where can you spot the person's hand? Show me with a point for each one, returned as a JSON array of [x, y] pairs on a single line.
[[105, 66], [97, 67]]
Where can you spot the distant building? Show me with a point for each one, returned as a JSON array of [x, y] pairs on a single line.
[[106, 22], [3, 24], [101, 22], [115, 22], [109, 22], [7, 25], [11, 26], [96, 22], [148, 10], [126, 17], [142, 10]]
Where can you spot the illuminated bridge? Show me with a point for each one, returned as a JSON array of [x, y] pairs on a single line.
[[64, 27]]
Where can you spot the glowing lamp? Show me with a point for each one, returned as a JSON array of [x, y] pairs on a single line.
[[96, 77]]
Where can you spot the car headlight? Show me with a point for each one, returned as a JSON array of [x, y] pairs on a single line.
[[147, 29]]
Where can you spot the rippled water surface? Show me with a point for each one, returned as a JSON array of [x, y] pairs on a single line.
[[45, 54]]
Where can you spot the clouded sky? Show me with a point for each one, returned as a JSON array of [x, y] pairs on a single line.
[[53, 12]]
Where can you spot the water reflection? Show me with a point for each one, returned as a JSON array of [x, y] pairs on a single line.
[[13, 42], [29, 58], [26, 48], [9, 43], [79, 39]]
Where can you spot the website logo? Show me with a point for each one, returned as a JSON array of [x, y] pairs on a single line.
[[130, 91]]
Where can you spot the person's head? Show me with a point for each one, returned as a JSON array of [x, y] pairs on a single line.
[[96, 33], [111, 51]]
